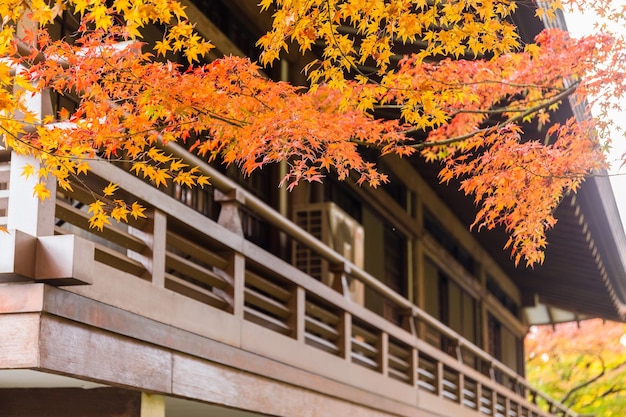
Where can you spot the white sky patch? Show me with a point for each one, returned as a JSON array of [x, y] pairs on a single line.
[[580, 25]]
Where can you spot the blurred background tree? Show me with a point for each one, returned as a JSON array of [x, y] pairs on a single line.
[[581, 364]]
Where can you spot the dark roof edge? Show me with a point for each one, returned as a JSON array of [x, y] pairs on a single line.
[[599, 206], [613, 252]]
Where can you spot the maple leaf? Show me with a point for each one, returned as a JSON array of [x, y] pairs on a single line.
[[28, 170], [110, 189], [466, 92], [137, 210], [97, 207], [120, 213], [98, 221], [41, 191]]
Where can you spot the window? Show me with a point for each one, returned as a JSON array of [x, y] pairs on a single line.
[[448, 302], [385, 259], [507, 302], [448, 242], [504, 345]]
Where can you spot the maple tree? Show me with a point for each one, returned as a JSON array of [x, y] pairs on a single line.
[[583, 365], [463, 97]]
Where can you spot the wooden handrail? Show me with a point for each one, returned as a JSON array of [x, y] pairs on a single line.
[[225, 185]]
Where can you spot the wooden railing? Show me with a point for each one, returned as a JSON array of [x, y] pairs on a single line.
[[180, 249]]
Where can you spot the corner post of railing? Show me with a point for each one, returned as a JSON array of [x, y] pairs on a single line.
[[351, 288], [31, 250], [155, 238], [229, 216], [25, 212], [27, 219], [492, 371]]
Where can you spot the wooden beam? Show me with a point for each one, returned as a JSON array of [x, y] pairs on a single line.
[[70, 402]]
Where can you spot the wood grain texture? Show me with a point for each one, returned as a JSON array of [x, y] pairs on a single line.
[[21, 298], [19, 340], [233, 388], [89, 353]]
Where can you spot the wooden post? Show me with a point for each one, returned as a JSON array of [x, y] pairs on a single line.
[[383, 353], [229, 213], [415, 364], [230, 219], [236, 271], [26, 212], [153, 257], [345, 336], [297, 306], [439, 378], [479, 395]]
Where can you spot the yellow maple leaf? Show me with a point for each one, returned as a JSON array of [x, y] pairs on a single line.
[[136, 210], [120, 213], [177, 165], [203, 180], [110, 189], [41, 191], [96, 207], [162, 48], [28, 170], [160, 176], [98, 221]]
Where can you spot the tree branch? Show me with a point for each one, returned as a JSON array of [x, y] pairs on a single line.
[[585, 384], [565, 93]]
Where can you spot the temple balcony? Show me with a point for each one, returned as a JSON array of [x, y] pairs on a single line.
[[182, 306]]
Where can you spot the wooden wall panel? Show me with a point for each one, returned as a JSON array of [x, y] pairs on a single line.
[[230, 387], [266, 343], [75, 349], [125, 291]]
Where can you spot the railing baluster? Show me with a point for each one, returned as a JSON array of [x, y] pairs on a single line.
[[345, 335], [439, 377], [154, 235], [383, 353], [460, 387], [297, 322], [414, 365], [236, 270]]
